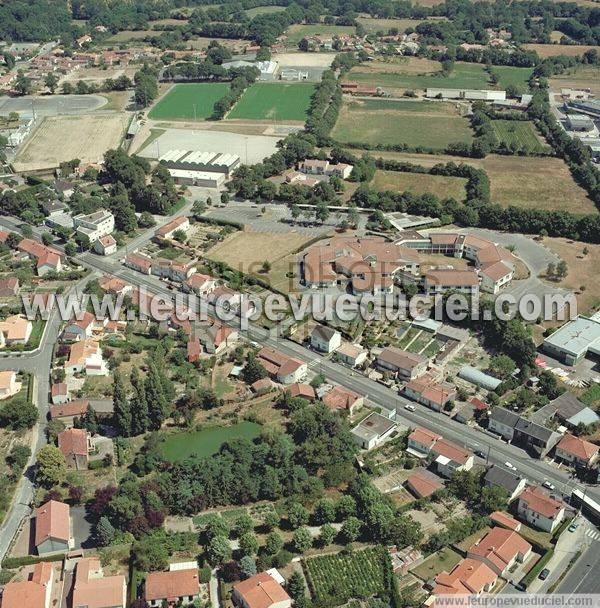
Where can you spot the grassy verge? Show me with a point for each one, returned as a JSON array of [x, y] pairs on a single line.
[[535, 571]]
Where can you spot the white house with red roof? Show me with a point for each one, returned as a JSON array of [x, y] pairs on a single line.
[[176, 585], [577, 451], [449, 458], [421, 442], [80, 328], [168, 230], [260, 591], [106, 245], [539, 509], [53, 528], [280, 367], [501, 549], [35, 592], [468, 577]]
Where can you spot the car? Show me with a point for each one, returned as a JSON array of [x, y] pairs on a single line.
[[409, 407], [573, 527], [480, 453], [548, 485], [510, 466], [543, 575]]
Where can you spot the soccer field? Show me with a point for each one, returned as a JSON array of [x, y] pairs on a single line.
[[186, 101], [274, 101]]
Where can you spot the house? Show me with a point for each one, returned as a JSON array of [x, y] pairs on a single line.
[[113, 285], [442, 280], [138, 262], [48, 259], [576, 451], [217, 337], [172, 587], [105, 245], [340, 398], [67, 412], [86, 355], [498, 476], [200, 284], [535, 438], [429, 392], [501, 549], [372, 431], [194, 349], [94, 590], [503, 422], [304, 391], [405, 364], [262, 386], [282, 368], [169, 269], [75, 447], [421, 442], [325, 339], [64, 188], [16, 329], [8, 384], [168, 230], [53, 528], [468, 577], [94, 225], [9, 287], [351, 354], [568, 409], [80, 328], [60, 393], [260, 591], [539, 509], [225, 298], [505, 520], [450, 458], [314, 166], [35, 592], [423, 483]]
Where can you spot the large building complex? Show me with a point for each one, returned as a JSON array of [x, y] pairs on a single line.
[[574, 340]]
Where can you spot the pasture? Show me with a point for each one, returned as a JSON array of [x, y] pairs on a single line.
[[519, 133], [296, 32], [578, 77], [189, 101], [441, 186], [552, 50], [372, 25], [262, 10], [414, 123], [274, 101]]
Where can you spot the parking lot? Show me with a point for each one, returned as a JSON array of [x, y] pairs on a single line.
[[55, 105]]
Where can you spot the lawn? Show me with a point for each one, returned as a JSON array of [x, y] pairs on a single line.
[[179, 102], [592, 395], [274, 101], [444, 560], [414, 123], [520, 133], [337, 578], [296, 32], [420, 183], [206, 442]]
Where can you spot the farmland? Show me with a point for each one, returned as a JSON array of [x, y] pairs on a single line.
[[420, 183], [519, 133], [552, 50], [189, 101], [296, 32], [276, 101], [416, 124], [206, 442], [337, 578], [262, 10], [578, 77], [372, 26]]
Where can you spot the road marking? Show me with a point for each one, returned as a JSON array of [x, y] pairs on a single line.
[[593, 534]]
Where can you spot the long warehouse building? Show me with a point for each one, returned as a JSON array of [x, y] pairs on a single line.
[[211, 162]]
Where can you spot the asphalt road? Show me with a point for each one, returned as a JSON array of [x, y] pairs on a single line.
[[584, 575]]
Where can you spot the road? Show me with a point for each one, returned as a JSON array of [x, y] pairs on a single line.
[[584, 575]]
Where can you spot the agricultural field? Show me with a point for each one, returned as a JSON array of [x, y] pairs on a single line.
[[296, 32], [373, 26], [552, 50], [420, 183], [341, 577], [189, 101], [520, 133], [578, 77], [274, 101], [54, 143], [414, 123], [262, 10], [424, 160], [206, 442]]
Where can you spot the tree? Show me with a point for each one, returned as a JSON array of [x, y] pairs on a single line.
[[146, 89], [51, 81], [243, 524], [70, 248], [302, 540], [9, 60], [89, 420], [324, 512], [493, 498], [18, 414], [345, 507], [248, 566], [351, 529], [502, 366], [326, 535], [271, 520], [253, 370], [218, 550], [51, 466], [266, 266], [249, 544], [47, 238], [297, 515], [217, 526], [122, 409], [23, 85], [274, 543], [18, 458], [180, 236], [562, 269], [198, 208], [155, 397], [224, 198], [105, 531], [295, 586], [138, 405]]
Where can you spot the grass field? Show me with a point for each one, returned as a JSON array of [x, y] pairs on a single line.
[[420, 183], [578, 77], [519, 132], [206, 442], [179, 102], [262, 10], [443, 560], [296, 32], [551, 50], [419, 124], [385, 25], [274, 101], [359, 574]]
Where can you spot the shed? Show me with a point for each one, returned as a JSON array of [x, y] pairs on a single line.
[[479, 378]]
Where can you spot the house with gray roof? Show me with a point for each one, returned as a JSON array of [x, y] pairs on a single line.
[[535, 438], [569, 410], [498, 476], [325, 339], [503, 422]]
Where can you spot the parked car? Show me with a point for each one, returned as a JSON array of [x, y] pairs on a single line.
[[510, 466], [543, 575], [409, 407], [480, 453], [549, 485], [573, 527]]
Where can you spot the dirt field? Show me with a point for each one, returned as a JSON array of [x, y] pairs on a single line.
[[63, 138], [550, 50], [398, 65], [309, 60], [580, 77], [425, 160], [420, 183]]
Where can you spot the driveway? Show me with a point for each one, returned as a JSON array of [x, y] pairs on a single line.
[[82, 528]]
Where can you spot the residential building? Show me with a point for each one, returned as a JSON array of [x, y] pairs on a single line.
[[35, 592], [351, 354], [498, 476], [423, 483], [94, 590], [577, 451], [373, 430], [304, 391], [262, 386], [535, 438], [568, 410], [217, 337], [53, 528], [8, 384], [280, 367], [169, 269], [260, 591], [9, 287], [47, 259], [503, 519], [539, 509], [16, 329], [68, 411], [168, 230], [63, 188], [421, 442], [139, 262], [86, 355], [80, 328], [450, 458], [468, 577], [172, 587], [60, 393], [200, 284], [402, 363], [340, 398], [114, 285], [75, 447], [501, 549], [429, 392], [106, 245], [503, 422], [315, 166], [444, 280], [94, 225], [325, 339]]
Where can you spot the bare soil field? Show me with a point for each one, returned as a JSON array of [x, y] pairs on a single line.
[[309, 60], [425, 160], [399, 65], [550, 50], [63, 138]]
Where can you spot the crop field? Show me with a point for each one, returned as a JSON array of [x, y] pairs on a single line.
[[276, 101], [63, 138], [189, 101], [578, 77], [519, 132], [414, 123], [420, 183], [360, 574], [296, 32], [551, 50], [206, 442]]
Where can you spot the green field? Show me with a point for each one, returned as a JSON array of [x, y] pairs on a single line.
[[262, 10], [420, 183], [414, 123], [518, 132], [337, 578], [296, 32], [179, 102], [274, 101], [206, 442]]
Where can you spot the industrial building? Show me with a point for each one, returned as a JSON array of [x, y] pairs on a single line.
[[580, 123], [197, 178], [590, 107], [211, 162], [574, 340], [468, 94]]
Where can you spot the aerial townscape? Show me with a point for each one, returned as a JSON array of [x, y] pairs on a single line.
[[193, 195]]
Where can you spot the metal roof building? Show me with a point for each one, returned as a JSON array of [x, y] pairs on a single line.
[[212, 162], [571, 342], [477, 377]]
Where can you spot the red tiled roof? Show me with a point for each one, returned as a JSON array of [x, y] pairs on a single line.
[[423, 484], [340, 398], [424, 436], [538, 501], [469, 576], [505, 520], [500, 546], [302, 390], [73, 441], [77, 407], [580, 448], [171, 585], [52, 521], [261, 591], [446, 448]]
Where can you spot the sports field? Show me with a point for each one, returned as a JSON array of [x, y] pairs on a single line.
[[189, 101], [520, 133], [420, 183], [274, 101], [426, 124]]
